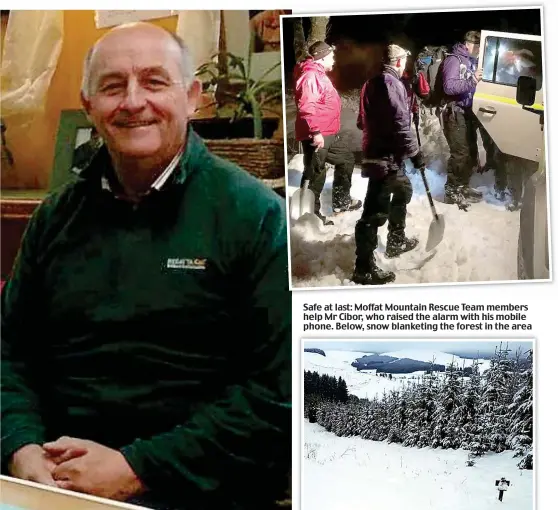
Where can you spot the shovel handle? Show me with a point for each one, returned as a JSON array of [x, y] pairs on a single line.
[[305, 186], [432, 208]]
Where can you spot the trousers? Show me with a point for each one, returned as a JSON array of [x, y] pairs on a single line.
[[386, 200], [335, 152], [460, 128]]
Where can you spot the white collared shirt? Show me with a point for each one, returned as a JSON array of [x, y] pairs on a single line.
[[157, 183]]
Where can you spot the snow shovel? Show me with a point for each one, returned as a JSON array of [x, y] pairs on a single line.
[[438, 225], [302, 202]]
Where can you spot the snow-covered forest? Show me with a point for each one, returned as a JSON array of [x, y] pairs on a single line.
[[483, 412]]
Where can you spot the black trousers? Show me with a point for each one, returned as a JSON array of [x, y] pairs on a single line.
[[335, 152], [460, 130], [386, 200], [501, 495]]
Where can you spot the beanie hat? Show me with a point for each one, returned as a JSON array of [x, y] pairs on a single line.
[[394, 52], [319, 50]]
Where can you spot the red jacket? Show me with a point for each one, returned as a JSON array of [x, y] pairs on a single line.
[[318, 103]]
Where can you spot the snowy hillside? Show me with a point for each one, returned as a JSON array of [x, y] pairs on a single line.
[[366, 384], [441, 358], [352, 473]]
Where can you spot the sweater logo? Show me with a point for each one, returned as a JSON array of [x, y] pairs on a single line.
[[198, 264]]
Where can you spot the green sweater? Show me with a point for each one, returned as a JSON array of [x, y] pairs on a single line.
[[162, 330]]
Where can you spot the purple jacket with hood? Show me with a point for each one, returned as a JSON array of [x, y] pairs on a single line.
[[458, 77], [385, 119]]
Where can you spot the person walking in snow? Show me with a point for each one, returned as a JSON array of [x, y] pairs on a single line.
[[502, 486], [459, 81], [317, 126], [385, 120]]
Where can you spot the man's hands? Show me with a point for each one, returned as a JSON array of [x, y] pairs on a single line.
[[32, 463], [101, 471], [418, 161], [318, 141], [79, 465], [478, 75]]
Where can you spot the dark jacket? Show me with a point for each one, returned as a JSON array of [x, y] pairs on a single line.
[[162, 330], [385, 119], [458, 79], [318, 103]]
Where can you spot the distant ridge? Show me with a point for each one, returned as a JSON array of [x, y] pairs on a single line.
[[315, 351]]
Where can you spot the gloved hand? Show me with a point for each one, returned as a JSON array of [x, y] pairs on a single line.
[[418, 160]]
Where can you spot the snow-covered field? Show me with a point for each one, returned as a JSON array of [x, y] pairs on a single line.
[[366, 384], [479, 245], [341, 473]]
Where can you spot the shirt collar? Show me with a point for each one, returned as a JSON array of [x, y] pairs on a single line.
[[99, 167], [157, 183]]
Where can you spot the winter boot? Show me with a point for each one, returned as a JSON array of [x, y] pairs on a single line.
[[515, 205], [352, 205], [368, 273], [456, 196], [399, 244], [326, 221], [500, 194], [472, 194]]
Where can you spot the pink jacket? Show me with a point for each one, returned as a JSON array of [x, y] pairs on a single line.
[[318, 103]]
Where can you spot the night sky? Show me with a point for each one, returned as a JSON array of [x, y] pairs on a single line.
[[417, 29]]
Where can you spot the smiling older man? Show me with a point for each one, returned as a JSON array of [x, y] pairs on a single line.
[[147, 324]]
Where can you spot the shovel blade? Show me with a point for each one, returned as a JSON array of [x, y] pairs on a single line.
[[301, 203], [436, 232]]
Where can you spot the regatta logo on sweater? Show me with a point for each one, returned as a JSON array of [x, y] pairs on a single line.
[[199, 264]]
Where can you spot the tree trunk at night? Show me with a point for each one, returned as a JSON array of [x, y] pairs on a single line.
[[318, 29], [300, 46]]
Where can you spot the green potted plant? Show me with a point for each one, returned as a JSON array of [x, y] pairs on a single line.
[[241, 101], [239, 131]]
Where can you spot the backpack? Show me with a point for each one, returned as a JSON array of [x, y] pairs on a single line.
[[428, 79]]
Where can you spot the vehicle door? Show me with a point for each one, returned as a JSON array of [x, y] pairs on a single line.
[[504, 57]]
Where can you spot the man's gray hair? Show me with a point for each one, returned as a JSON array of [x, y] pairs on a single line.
[[186, 63]]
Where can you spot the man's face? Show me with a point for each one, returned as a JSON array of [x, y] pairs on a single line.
[[328, 61], [402, 65], [473, 49], [137, 98]]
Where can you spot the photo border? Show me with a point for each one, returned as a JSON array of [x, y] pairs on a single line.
[[363, 288]]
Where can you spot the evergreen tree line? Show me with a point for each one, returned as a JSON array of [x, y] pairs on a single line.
[[325, 387], [489, 412]]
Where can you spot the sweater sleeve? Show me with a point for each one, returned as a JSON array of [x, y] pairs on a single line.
[[246, 433], [21, 418], [404, 141]]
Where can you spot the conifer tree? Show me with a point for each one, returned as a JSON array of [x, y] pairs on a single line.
[[521, 410]]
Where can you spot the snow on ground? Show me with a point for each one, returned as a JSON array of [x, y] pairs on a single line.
[[365, 383], [341, 473], [478, 245]]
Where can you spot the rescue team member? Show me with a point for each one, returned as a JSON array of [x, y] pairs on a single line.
[[385, 120], [460, 78], [146, 327], [502, 486], [317, 126]]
